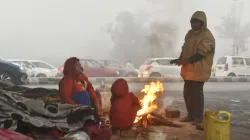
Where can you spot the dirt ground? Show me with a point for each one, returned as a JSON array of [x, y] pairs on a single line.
[[187, 132]]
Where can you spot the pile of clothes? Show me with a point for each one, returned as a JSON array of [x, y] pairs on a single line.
[[26, 110]]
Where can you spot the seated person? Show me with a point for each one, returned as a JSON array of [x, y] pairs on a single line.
[[124, 106], [75, 88]]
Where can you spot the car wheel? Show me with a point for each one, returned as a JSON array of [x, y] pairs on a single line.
[[232, 75], [155, 74], [41, 75], [7, 77]]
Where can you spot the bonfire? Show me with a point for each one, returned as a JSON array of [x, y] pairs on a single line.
[[148, 115], [148, 104]]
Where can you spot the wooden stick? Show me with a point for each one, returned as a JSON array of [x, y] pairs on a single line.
[[159, 121], [145, 121], [158, 115]]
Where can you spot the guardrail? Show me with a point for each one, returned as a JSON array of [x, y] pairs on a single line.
[[109, 80]]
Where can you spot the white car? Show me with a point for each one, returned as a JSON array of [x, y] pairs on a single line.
[[37, 72], [233, 66], [29, 71], [159, 67], [44, 65]]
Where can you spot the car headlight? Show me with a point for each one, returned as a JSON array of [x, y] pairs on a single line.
[[22, 69]]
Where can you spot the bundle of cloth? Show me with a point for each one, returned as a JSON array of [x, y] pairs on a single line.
[[16, 109], [79, 107]]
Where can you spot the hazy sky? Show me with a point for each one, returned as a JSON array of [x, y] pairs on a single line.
[[53, 30]]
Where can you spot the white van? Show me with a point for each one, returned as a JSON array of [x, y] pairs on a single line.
[[233, 66]]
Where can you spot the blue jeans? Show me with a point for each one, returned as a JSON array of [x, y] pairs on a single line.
[[83, 98]]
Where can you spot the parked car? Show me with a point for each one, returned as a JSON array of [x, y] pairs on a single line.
[[44, 65], [233, 66], [123, 71], [94, 69], [12, 73], [30, 68], [159, 67]]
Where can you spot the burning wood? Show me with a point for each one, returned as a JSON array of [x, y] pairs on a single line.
[[159, 120], [146, 115], [148, 104]]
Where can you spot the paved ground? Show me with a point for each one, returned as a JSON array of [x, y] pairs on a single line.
[[233, 97], [238, 105]]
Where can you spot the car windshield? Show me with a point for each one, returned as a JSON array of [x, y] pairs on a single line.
[[41, 65], [222, 60], [148, 62], [101, 62], [24, 64], [90, 64], [164, 62], [113, 64]]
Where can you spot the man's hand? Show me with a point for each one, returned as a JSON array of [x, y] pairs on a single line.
[[179, 62], [176, 62], [173, 61]]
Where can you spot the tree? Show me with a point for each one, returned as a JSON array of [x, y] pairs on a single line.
[[231, 28], [161, 38], [128, 35], [134, 41]]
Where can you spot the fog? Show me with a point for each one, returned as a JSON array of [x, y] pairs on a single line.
[[52, 30]]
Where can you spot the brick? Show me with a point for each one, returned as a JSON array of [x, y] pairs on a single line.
[[172, 113]]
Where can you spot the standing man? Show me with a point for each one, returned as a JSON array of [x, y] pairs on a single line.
[[196, 59]]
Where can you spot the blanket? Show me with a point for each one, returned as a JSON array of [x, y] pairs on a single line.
[[65, 117]]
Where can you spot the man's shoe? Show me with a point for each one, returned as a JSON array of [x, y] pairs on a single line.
[[199, 126], [186, 119]]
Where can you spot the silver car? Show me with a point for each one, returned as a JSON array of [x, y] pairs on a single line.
[[159, 67]]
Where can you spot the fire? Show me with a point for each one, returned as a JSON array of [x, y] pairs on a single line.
[[148, 104]]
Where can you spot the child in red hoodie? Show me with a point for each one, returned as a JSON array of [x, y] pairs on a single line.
[[124, 106]]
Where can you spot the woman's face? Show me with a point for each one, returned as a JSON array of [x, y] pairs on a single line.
[[79, 68]]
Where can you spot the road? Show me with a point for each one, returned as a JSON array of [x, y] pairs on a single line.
[[211, 90], [233, 97], [209, 87]]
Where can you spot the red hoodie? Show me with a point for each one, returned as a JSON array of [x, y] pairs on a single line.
[[124, 105]]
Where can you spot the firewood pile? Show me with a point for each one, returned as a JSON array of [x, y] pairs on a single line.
[[155, 119], [146, 125]]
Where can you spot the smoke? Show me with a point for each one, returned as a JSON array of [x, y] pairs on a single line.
[[165, 103]]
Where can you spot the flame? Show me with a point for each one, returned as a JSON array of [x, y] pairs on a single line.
[[148, 104]]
